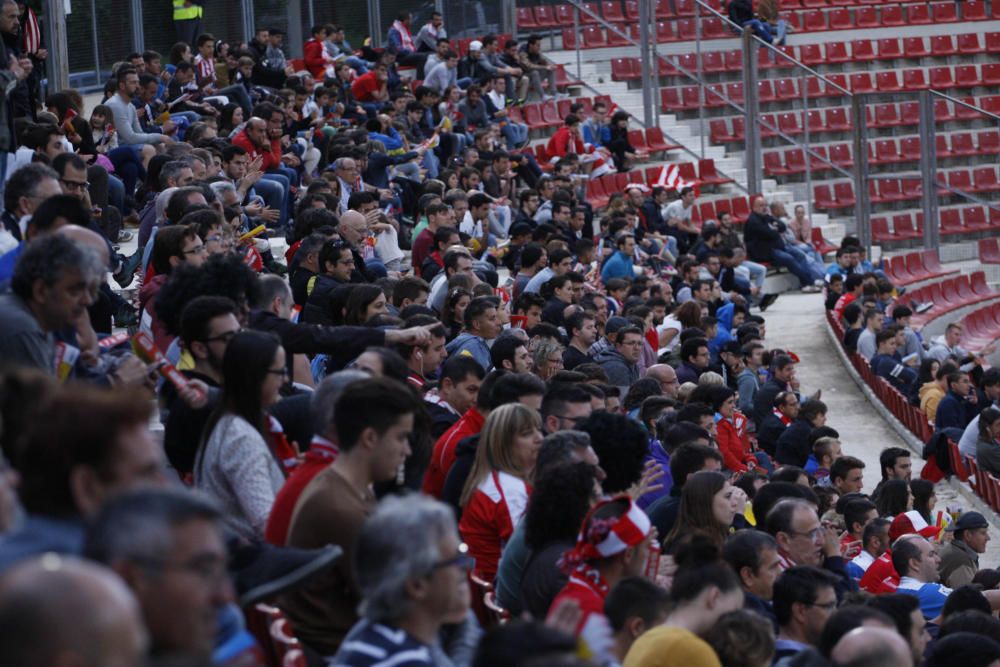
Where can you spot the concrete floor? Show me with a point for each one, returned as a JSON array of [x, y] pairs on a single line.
[[796, 322]]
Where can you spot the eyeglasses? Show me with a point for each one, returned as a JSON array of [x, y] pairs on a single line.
[[221, 338], [197, 250], [825, 606], [572, 420], [282, 372], [211, 571], [74, 185], [463, 560], [813, 534]]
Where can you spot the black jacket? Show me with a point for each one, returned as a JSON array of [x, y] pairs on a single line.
[[793, 444], [761, 238], [340, 343]]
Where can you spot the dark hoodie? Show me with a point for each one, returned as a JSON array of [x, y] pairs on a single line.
[[465, 456]]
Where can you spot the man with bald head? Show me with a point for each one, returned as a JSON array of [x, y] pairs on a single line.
[[353, 229], [273, 188], [666, 376], [871, 647], [62, 611], [762, 234]]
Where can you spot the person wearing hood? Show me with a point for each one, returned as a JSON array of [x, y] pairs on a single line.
[[620, 362], [482, 324]]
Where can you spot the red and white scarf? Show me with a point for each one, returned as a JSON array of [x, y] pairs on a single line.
[[32, 33], [405, 40]]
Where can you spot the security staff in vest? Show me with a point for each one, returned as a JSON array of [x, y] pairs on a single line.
[[187, 19]]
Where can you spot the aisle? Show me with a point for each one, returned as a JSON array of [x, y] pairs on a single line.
[[796, 322]]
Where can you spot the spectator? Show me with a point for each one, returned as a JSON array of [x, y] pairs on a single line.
[[960, 556]]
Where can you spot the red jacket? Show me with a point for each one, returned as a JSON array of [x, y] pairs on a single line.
[[312, 54], [489, 519], [271, 160], [443, 457], [593, 629], [565, 141], [734, 443]]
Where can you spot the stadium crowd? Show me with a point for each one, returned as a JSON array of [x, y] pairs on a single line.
[[370, 441]]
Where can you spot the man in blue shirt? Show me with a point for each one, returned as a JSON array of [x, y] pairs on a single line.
[[959, 406], [917, 561], [619, 265]]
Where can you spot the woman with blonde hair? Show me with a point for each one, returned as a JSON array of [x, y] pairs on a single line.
[[547, 355], [496, 493]]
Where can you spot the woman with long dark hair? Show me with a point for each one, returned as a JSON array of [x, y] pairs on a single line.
[[894, 498], [364, 303], [238, 463], [706, 509], [924, 499]]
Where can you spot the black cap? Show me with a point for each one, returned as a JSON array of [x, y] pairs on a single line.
[[968, 521]]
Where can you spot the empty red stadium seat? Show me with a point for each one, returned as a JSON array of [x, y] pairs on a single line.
[[967, 76], [666, 31], [823, 197], [811, 54], [814, 21], [526, 19], [840, 155], [880, 229], [951, 221], [988, 142], [618, 34], [795, 160], [913, 79], [889, 49], [734, 60], [837, 119], [840, 19], [944, 12], [887, 82], [656, 142], [625, 69], [886, 152], [713, 62], [961, 144], [774, 165], [941, 78], [670, 99], [941, 146], [718, 132], [974, 11], [960, 180], [593, 37], [844, 194], [989, 251], [943, 45], [974, 218], [918, 14], [632, 11], [909, 149], [836, 52], [914, 47], [968, 44], [861, 82], [564, 15], [991, 74], [545, 16], [866, 17], [892, 15], [568, 38], [612, 11], [887, 115], [708, 175], [863, 50]]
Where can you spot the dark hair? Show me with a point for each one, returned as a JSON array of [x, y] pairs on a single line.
[[922, 491], [856, 511], [635, 596], [504, 348], [522, 644], [80, 428], [66, 207], [689, 459], [963, 648], [639, 391], [966, 598], [558, 396], [245, 366], [974, 621], [845, 619], [511, 387], [903, 550], [361, 297], [842, 466], [698, 568], [198, 313], [376, 403], [168, 243], [800, 584], [23, 182], [898, 607], [893, 497], [221, 275], [621, 446], [558, 505], [743, 548]]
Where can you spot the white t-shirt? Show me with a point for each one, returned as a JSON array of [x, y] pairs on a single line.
[[675, 209], [669, 322]]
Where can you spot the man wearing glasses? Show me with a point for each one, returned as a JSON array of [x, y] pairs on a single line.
[[620, 362], [174, 245], [411, 568], [803, 540], [804, 599]]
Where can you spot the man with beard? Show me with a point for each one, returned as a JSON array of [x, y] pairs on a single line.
[[208, 323]]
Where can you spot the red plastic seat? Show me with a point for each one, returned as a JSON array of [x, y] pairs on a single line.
[[974, 11], [914, 47], [866, 17], [670, 99], [719, 133], [774, 165], [960, 180], [892, 15], [991, 74], [788, 123], [941, 78], [984, 179], [625, 69], [974, 218], [836, 52], [861, 82], [612, 11], [526, 19], [989, 251], [593, 37], [992, 42], [951, 222], [840, 19], [918, 14], [619, 34], [666, 31], [944, 12], [564, 15], [814, 21], [913, 79], [844, 194], [880, 230], [713, 62], [863, 50], [714, 28], [795, 161], [886, 115], [568, 38], [545, 16], [886, 152], [708, 175], [909, 149], [823, 197], [656, 142], [988, 142], [632, 11], [967, 76], [811, 54], [888, 49], [961, 145], [968, 44], [837, 119], [887, 82], [943, 45], [840, 155]]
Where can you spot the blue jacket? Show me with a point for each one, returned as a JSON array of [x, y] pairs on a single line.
[[954, 412], [619, 265], [471, 346]]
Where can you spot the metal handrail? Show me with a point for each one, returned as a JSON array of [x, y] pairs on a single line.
[[984, 112]]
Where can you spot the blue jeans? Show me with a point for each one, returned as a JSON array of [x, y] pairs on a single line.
[[128, 167], [239, 95], [793, 263], [515, 134], [779, 30], [359, 64], [817, 272], [755, 272], [116, 195], [760, 29], [274, 195]]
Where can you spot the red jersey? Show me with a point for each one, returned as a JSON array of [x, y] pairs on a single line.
[[565, 141], [365, 86], [271, 159], [593, 628], [489, 518], [734, 443], [880, 577], [321, 454], [443, 456], [843, 302], [421, 247], [312, 55]]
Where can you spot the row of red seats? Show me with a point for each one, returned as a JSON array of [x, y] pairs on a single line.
[[909, 415], [949, 295], [907, 188], [552, 113], [915, 267], [717, 95], [861, 50], [820, 4], [547, 17], [792, 161], [960, 220], [678, 30], [981, 327], [903, 228], [599, 190], [806, 18], [989, 251]]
